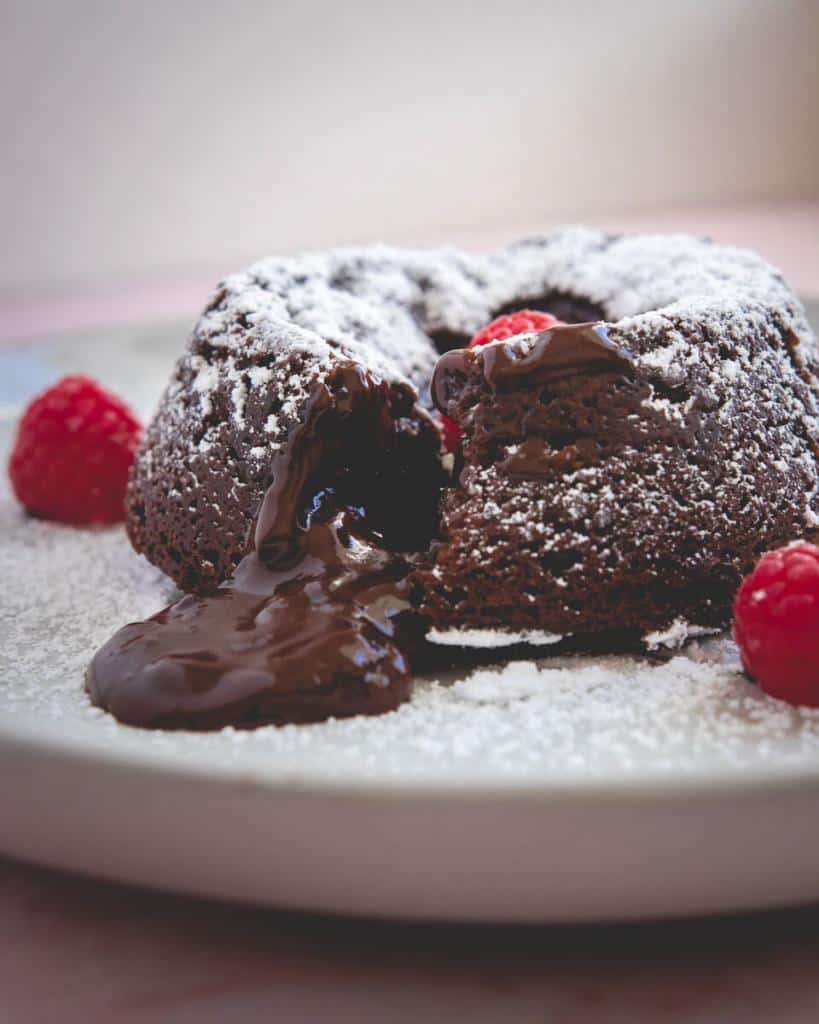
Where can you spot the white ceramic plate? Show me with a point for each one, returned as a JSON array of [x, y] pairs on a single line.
[[584, 789]]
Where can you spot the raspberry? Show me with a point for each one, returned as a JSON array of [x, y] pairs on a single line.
[[524, 321], [776, 623], [74, 448], [450, 434]]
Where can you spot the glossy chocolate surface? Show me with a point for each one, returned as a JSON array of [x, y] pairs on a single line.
[[563, 351], [316, 620]]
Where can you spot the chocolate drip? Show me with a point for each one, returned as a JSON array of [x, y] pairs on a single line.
[[315, 622], [563, 351]]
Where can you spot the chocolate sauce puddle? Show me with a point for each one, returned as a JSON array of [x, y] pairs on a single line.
[[316, 620]]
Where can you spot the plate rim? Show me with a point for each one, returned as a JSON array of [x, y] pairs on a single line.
[[710, 781]]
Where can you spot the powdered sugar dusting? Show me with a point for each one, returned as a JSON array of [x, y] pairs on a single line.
[[490, 638], [675, 635], [720, 447], [267, 338], [662, 277], [545, 723], [378, 305]]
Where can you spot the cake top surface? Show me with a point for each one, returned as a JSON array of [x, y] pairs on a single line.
[[379, 304], [354, 297], [332, 295]]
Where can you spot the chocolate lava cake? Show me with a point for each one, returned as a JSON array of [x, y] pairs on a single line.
[[615, 478]]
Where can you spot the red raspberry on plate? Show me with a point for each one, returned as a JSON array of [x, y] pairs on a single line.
[[776, 623], [524, 321], [75, 445]]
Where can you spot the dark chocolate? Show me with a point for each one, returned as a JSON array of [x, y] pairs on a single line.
[[563, 351], [316, 620]]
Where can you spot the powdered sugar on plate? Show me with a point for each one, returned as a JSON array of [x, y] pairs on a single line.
[[676, 635], [547, 722], [489, 638]]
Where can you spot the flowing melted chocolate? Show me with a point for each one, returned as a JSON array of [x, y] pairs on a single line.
[[316, 620], [563, 351]]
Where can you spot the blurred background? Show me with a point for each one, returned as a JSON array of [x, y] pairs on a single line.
[[174, 141]]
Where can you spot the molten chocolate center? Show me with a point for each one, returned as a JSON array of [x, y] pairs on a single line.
[[316, 620]]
